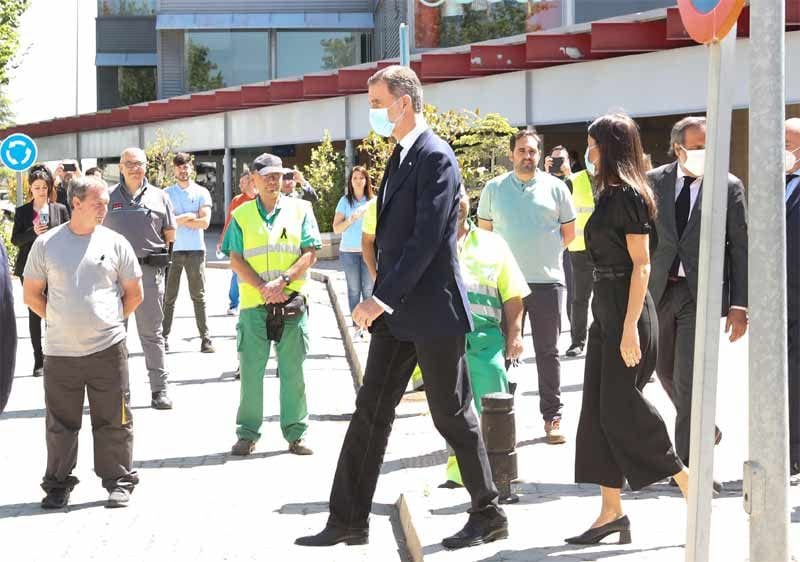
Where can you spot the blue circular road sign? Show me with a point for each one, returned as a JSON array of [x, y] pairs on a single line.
[[18, 152]]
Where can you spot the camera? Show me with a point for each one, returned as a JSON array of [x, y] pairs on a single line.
[[555, 167]]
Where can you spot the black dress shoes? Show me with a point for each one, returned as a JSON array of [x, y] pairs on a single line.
[[331, 535], [594, 536], [482, 527]]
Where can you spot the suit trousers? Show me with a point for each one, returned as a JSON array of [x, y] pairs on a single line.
[[149, 323], [447, 387], [104, 376], [194, 263], [620, 434], [677, 316], [582, 282], [543, 306], [794, 393]]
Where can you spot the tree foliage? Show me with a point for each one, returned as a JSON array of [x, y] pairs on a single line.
[[137, 84], [339, 52], [10, 13], [479, 141], [160, 153], [204, 74], [326, 175], [498, 20]]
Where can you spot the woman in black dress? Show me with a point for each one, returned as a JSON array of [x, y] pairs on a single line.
[[31, 220], [620, 434]]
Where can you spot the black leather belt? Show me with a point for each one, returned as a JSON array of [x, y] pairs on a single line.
[[155, 260], [608, 273]]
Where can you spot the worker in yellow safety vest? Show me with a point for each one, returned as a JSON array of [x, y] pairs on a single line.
[[495, 289]]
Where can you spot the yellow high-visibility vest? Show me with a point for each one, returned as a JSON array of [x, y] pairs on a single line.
[[583, 199], [270, 251]]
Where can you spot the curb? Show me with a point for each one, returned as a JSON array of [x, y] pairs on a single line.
[[218, 264], [407, 511], [356, 368]]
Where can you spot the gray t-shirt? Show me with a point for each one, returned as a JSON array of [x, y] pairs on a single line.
[[84, 292], [141, 218]]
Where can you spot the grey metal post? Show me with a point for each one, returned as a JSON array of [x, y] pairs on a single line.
[[405, 48], [766, 473], [227, 165], [20, 194], [709, 295]]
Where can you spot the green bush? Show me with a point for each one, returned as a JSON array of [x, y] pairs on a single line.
[[326, 175], [6, 225]]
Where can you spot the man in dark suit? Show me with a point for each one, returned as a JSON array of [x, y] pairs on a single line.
[[8, 336], [793, 290], [419, 313], [673, 280]]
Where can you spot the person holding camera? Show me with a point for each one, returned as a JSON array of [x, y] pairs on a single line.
[[272, 242], [143, 214], [31, 220], [293, 178], [65, 171]]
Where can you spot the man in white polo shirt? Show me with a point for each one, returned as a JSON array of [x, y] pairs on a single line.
[[192, 205], [534, 212]]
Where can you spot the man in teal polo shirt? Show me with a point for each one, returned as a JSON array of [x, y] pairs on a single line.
[[534, 213]]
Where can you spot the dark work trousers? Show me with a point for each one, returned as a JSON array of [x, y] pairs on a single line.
[[194, 263], [582, 282], [543, 306], [620, 434], [794, 393], [35, 330], [677, 316], [104, 376], [447, 387]]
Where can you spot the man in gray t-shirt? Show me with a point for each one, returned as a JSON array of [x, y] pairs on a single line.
[[93, 284]]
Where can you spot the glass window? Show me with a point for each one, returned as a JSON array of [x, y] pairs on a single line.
[[136, 84], [217, 59], [126, 7], [447, 23], [593, 10], [305, 52]]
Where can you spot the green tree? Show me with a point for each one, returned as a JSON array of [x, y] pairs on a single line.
[[137, 84], [160, 153], [326, 175], [339, 52], [10, 12], [499, 20], [204, 74]]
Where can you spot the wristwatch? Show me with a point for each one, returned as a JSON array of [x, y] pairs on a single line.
[[285, 278]]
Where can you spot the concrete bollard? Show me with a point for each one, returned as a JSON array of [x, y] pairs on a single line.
[[500, 436]]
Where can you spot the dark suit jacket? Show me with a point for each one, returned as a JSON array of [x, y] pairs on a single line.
[[8, 335], [663, 181], [23, 235], [415, 243], [793, 256]]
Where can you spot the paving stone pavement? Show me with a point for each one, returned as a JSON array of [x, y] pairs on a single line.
[[195, 502], [551, 506]]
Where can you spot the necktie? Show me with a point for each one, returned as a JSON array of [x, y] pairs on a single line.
[[682, 204], [391, 167]]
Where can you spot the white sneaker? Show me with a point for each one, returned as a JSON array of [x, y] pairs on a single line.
[[233, 311]]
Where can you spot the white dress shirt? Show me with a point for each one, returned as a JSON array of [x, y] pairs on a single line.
[[406, 143]]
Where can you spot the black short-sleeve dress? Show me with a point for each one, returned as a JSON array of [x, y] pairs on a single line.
[[620, 434]]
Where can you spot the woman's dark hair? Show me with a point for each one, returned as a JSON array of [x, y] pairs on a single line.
[[621, 157], [351, 193], [42, 172]]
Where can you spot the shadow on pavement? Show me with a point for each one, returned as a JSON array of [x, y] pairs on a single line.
[[422, 461], [33, 414], [227, 376], [332, 417], [567, 388], [566, 552], [204, 460], [35, 508], [309, 508]]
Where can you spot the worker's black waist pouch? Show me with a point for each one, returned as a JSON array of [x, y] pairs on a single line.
[[277, 313]]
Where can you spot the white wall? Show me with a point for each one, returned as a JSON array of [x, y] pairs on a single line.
[[206, 132], [43, 87], [108, 143]]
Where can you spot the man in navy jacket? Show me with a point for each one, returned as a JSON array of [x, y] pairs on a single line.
[[419, 313]]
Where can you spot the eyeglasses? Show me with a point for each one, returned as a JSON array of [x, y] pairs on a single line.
[[134, 165]]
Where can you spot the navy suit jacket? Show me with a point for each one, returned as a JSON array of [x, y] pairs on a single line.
[[793, 256], [415, 244]]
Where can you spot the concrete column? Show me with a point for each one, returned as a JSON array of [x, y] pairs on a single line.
[[766, 475], [227, 165]]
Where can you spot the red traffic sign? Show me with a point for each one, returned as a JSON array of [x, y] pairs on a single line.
[[709, 21]]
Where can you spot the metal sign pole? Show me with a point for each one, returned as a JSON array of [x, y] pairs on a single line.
[[20, 194], [405, 48], [709, 295], [766, 473]]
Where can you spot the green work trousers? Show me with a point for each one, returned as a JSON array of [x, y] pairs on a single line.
[[487, 373], [254, 347]]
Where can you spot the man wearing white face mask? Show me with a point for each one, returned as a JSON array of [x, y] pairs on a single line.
[[792, 167], [673, 281]]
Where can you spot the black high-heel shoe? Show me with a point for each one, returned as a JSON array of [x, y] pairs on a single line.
[[594, 536]]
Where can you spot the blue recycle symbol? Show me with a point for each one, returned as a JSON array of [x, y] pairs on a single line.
[[18, 152]]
